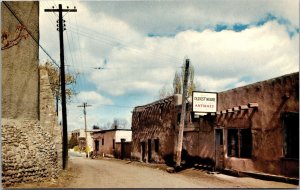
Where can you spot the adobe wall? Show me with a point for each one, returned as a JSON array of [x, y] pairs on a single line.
[[20, 80], [274, 97], [107, 148], [198, 139], [155, 121]]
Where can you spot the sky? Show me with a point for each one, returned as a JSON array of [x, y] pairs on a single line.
[[141, 44]]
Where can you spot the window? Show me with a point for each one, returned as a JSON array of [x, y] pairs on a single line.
[[239, 143], [232, 142], [156, 145], [102, 141], [113, 143], [178, 118], [291, 135]]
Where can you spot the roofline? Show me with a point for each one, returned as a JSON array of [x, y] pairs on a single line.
[[258, 82], [108, 130]]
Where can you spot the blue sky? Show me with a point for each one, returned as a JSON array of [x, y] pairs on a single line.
[[141, 45]]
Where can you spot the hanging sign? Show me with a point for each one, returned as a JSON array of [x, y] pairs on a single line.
[[204, 102]]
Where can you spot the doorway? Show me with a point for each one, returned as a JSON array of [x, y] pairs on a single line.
[[123, 148], [149, 150], [143, 149], [219, 149]]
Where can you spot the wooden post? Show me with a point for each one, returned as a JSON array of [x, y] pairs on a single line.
[[183, 113]]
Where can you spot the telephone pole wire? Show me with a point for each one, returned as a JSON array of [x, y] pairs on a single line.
[[61, 28], [183, 113], [84, 105]]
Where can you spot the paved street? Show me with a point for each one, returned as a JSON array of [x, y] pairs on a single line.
[[113, 173]]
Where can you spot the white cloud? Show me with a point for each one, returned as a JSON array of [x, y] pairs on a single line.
[[93, 97], [262, 52], [164, 17], [139, 64]]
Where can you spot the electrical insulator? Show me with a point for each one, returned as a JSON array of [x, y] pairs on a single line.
[[67, 7]]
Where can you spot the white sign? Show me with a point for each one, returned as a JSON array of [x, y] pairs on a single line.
[[204, 102]]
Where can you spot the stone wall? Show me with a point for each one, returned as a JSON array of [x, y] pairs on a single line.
[[28, 153], [48, 116]]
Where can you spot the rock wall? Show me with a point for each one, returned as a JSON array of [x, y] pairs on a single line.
[[28, 153], [48, 117]]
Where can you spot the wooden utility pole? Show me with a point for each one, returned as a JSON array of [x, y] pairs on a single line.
[[84, 105], [183, 110], [61, 28]]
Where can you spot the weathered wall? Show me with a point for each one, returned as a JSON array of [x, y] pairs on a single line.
[[48, 117], [30, 150], [274, 97], [155, 121], [20, 63]]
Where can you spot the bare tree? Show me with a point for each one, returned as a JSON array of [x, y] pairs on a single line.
[[177, 83], [164, 92]]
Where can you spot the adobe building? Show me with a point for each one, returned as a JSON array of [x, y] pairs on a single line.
[[255, 130], [112, 143], [153, 130]]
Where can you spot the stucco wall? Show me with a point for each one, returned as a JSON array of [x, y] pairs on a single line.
[[123, 135], [20, 84], [107, 148], [274, 97]]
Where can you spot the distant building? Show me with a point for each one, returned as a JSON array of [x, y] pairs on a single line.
[[112, 143], [79, 134], [255, 130]]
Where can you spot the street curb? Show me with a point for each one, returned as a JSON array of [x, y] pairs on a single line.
[[263, 176]]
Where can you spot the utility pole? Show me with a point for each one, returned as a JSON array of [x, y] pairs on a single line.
[[61, 28], [84, 105], [183, 111]]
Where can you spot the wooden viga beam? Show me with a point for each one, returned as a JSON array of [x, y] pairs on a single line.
[[236, 108], [253, 105], [243, 107]]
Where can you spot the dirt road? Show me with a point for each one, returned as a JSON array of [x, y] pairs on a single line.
[[110, 173]]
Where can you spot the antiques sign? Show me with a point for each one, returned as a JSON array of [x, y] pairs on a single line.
[[204, 102]]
